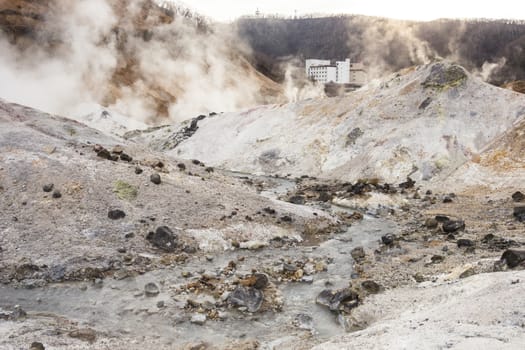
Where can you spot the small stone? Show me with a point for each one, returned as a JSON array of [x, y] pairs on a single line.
[[198, 319], [297, 200], [104, 153], [436, 259], [209, 169], [261, 280], [116, 214], [388, 239], [151, 289], [161, 304], [298, 274], [465, 243], [320, 266], [163, 238], [57, 194], [453, 226], [121, 250], [418, 277], [118, 149], [286, 218], [467, 273], [48, 187], [138, 170], [181, 166], [441, 218], [519, 213], [518, 196], [126, 158], [85, 334], [37, 346], [447, 199], [248, 297], [358, 254], [155, 178], [371, 286], [269, 210], [431, 223]]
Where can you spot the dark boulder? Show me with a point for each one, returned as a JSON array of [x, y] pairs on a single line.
[[163, 238], [125, 157], [297, 200], [48, 187], [249, 297], [513, 257], [452, 226], [340, 300], [388, 239], [57, 194], [465, 243], [518, 196], [409, 183], [155, 178], [519, 213], [116, 214]]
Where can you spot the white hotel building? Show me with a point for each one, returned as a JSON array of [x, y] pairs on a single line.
[[342, 72]]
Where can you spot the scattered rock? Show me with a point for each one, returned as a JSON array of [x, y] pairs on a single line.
[[181, 166], [103, 153], [57, 194], [261, 280], [151, 289], [115, 214], [37, 346], [371, 287], [325, 196], [388, 239], [436, 259], [125, 157], [425, 103], [48, 187], [341, 300], [442, 218], [519, 213], [269, 210], [252, 245], [447, 199], [467, 273], [453, 226], [353, 135], [286, 218], [297, 200], [248, 297], [85, 334], [155, 178], [358, 254], [465, 243], [163, 238], [198, 319], [518, 196], [118, 149], [513, 257], [409, 183], [209, 169], [138, 170]]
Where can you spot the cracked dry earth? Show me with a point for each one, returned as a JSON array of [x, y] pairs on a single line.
[[210, 259]]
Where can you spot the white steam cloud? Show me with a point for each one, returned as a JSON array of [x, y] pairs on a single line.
[[105, 58]]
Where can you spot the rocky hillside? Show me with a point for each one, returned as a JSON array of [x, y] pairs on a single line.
[[138, 58], [422, 123]]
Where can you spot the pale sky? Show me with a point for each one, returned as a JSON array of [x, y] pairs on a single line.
[[228, 10]]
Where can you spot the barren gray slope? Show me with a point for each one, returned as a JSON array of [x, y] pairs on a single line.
[[42, 237], [423, 122]]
